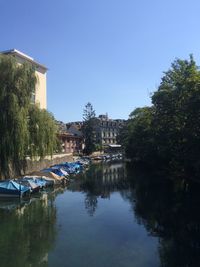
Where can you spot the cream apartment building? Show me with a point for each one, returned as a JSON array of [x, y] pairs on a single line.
[[107, 130], [40, 95]]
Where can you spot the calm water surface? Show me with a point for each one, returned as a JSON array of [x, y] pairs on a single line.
[[103, 218]]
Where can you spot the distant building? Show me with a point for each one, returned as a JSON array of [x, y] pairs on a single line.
[[107, 130], [61, 126], [71, 143], [39, 96], [71, 138], [75, 130], [77, 124]]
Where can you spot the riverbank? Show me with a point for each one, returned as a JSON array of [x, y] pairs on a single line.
[[36, 164], [27, 185]]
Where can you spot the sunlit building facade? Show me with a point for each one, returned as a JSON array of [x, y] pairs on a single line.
[[107, 130], [39, 97]]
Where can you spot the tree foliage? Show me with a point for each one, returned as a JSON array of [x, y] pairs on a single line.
[[16, 86], [141, 142], [168, 133], [19, 119], [88, 128], [43, 130]]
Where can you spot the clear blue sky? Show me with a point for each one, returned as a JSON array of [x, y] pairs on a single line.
[[111, 53]]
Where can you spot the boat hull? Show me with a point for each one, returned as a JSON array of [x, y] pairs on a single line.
[[9, 193]]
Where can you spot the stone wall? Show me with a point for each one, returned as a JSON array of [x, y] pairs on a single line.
[[38, 165]]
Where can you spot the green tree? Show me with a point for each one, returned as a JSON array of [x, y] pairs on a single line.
[[43, 132], [17, 83], [122, 137], [24, 128], [177, 113], [167, 134], [88, 128], [140, 144]]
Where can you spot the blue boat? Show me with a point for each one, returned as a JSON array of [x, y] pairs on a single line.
[[38, 180], [62, 166], [72, 167], [12, 189], [34, 188], [57, 170]]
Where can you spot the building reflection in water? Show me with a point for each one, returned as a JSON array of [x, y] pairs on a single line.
[[168, 208], [113, 179], [100, 181]]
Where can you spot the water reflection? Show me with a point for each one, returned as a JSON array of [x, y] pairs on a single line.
[[27, 231], [100, 181], [170, 211], [136, 218], [96, 225]]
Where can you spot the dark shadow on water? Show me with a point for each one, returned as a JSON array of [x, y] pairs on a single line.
[[169, 209]]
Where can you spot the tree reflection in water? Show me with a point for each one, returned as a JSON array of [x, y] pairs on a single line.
[[100, 181], [90, 203], [27, 233], [169, 209]]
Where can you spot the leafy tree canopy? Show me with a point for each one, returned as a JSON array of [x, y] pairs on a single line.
[[168, 133], [24, 128]]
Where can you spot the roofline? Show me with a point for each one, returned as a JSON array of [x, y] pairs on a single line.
[[24, 56], [66, 134]]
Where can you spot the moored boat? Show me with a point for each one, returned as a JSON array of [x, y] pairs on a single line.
[[10, 188], [34, 187]]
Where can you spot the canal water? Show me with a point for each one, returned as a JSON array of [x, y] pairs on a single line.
[[109, 216]]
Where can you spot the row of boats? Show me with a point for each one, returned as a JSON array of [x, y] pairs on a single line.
[[36, 181], [108, 157]]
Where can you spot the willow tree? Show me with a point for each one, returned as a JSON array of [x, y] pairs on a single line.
[[24, 128], [17, 83], [43, 133]]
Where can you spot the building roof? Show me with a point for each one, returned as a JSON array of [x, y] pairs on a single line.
[[71, 135], [23, 56], [74, 129]]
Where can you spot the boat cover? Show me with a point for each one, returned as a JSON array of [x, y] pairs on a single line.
[[47, 174], [59, 172], [12, 185], [38, 180]]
